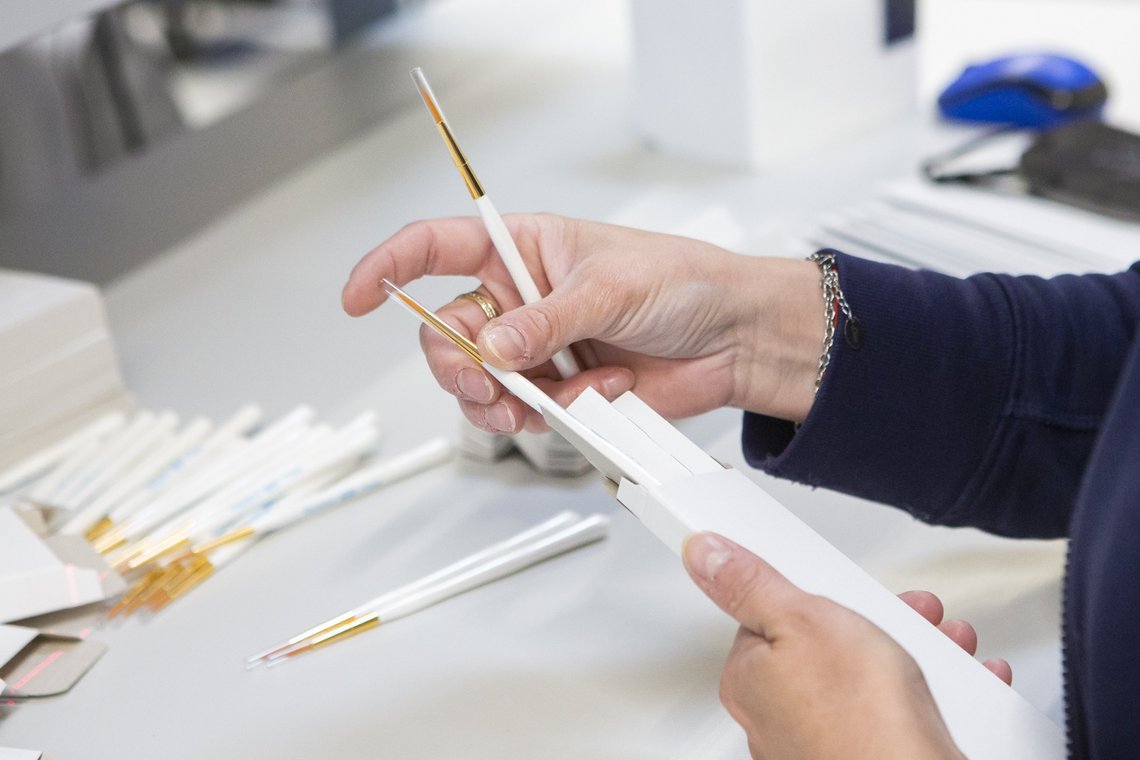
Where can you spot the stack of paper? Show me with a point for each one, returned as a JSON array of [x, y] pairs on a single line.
[[548, 453], [962, 231], [481, 445], [58, 366]]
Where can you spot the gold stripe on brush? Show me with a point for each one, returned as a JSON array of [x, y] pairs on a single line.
[[440, 326]]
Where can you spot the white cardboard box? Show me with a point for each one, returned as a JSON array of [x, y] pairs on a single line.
[[755, 84]]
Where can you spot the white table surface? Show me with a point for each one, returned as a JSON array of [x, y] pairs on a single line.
[[606, 653]]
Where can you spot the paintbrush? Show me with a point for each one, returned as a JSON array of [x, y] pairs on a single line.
[[564, 360]]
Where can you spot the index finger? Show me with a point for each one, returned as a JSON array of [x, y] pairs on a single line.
[[453, 246]]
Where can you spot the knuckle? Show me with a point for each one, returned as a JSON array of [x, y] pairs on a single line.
[[727, 694], [544, 223], [740, 583], [410, 227], [734, 598], [805, 615], [543, 322]]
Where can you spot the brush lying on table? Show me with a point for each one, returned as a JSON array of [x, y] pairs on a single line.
[[560, 534]]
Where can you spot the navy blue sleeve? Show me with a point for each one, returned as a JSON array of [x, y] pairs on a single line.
[[965, 402]]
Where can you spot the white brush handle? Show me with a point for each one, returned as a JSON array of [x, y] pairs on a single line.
[[233, 490], [366, 481], [336, 453], [157, 436], [128, 482], [490, 554], [242, 422], [43, 460], [223, 442], [93, 465], [220, 447], [42, 490], [250, 455], [586, 531], [158, 461], [564, 361]]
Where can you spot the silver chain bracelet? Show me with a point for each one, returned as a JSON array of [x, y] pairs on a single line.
[[833, 299]]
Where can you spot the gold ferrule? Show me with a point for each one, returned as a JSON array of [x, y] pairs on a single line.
[[344, 631], [155, 553], [220, 541], [163, 592], [147, 593], [316, 630], [145, 584], [328, 625], [276, 651], [98, 529], [175, 575], [134, 592], [109, 542], [200, 573], [122, 558], [355, 626], [158, 600], [460, 160], [444, 329]]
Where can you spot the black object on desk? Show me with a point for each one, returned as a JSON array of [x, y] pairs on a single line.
[[1088, 164]]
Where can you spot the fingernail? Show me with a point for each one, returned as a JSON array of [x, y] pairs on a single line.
[[474, 385], [615, 384], [500, 418], [705, 554], [506, 343]]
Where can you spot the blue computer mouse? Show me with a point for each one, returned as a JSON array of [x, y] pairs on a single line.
[[1031, 90]]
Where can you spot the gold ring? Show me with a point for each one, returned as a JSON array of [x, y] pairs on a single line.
[[486, 304]]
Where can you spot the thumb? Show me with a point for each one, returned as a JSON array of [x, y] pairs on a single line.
[[529, 335], [750, 590]]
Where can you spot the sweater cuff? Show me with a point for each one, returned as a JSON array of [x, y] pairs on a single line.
[[910, 401]]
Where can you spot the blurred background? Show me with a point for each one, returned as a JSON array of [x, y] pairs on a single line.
[[104, 104], [128, 126]]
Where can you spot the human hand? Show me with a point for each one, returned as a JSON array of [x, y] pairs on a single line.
[[693, 326], [808, 678], [959, 631]]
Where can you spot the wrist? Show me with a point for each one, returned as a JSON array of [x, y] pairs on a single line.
[[780, 335]]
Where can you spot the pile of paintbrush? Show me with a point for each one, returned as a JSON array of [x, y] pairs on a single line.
[[169, 505]]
